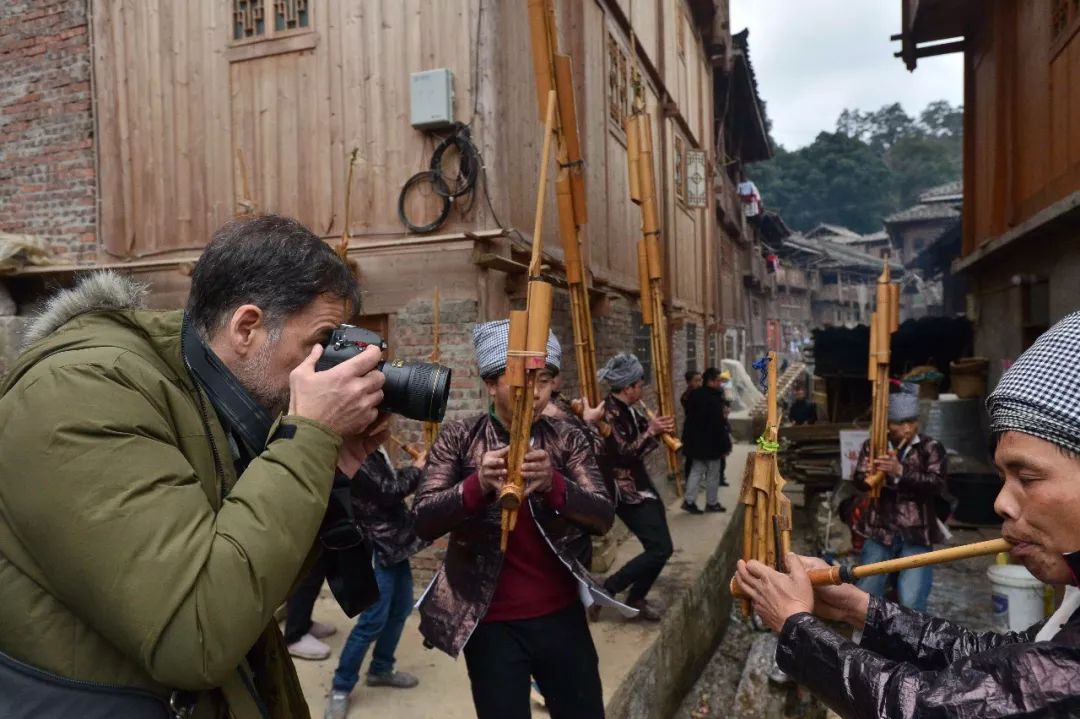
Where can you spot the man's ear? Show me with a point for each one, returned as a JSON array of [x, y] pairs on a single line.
[[492, 386], [243, 328]]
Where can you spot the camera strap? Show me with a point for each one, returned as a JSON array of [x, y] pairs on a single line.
[[237, 409]]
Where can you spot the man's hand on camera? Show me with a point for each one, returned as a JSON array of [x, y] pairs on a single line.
[[355, 449], [345, 398]]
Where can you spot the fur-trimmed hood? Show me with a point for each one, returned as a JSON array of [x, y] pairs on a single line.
[[100, 291]]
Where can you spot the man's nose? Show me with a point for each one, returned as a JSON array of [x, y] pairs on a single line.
[[1006, 505]]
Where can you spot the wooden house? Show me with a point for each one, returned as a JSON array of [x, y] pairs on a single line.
[[182, 114], [1020, 236]]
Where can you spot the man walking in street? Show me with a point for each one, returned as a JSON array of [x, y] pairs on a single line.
[[639, 506], [706, 441]]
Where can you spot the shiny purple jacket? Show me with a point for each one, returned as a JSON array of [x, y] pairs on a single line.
[[905, 508], [461, 592], [625, 450], [913, 665], [378, 494]]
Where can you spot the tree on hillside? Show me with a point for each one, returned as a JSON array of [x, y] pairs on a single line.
[[885, 159], [836, 179]]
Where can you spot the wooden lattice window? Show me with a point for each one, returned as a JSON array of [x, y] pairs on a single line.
[[1064, 22], [680, 30], [287, 17], [679, 170], [618, 82], [642, 342], [691, 346]]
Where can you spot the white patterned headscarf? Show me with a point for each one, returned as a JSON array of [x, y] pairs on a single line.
[[1040, 394], [622, 370], [491, 340]]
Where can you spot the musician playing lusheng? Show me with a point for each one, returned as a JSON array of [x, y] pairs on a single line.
[[902, 521], [913, 665], [516, 614], [639, 506]]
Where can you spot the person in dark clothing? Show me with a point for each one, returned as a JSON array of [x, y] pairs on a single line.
[[693, 381], [707, 441], [802, 411], [302, 635], [909, 664], [516, 614], [379, 491], [639, 507]]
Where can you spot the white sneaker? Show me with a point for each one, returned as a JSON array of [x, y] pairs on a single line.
[[309, 648], [320, 630], [337, 705]]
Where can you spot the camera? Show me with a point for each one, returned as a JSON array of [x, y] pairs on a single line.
[[417, 390]]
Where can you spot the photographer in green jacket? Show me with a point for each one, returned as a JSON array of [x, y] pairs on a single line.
[[164, 477]]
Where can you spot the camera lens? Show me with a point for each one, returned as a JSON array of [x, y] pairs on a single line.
[[417, 390]]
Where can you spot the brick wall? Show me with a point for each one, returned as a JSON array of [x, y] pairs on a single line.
[[47, 177]]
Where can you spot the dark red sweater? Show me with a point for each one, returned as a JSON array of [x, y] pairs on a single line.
[[532, 582]]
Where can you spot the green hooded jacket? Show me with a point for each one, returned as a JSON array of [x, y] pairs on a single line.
[[130, 553]]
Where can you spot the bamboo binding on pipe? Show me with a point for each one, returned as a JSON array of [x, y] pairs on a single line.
[[527, 349], [849, 575]]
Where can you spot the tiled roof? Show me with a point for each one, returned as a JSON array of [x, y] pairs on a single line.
[[949, 192], [917, 213]]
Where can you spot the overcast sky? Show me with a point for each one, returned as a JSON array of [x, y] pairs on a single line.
[[813, 58]]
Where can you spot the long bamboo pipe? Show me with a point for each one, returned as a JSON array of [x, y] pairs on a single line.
[[411, 451], [672, 442], [849, 575]]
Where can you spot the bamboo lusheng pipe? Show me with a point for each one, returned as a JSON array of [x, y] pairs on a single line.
[[409, 450], [578, 408], [766, 510], [849, 575], [527, 348], [553, 72], [431, 429], [883, 322], [651, 278], [672, 443], [876, 480]]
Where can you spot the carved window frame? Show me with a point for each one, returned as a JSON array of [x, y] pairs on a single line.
[[272, 40], [1064, 24], [678, 171], [618, 91], [269, 12]]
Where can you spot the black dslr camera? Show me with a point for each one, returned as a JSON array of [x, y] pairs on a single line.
[[417, 390]]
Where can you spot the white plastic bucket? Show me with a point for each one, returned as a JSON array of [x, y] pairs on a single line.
[[1017, 596]]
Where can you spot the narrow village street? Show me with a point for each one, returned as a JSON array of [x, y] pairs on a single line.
[[422, 359]]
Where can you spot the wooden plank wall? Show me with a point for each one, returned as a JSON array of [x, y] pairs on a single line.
[[162, 123], [1023, 101], [177, 109]]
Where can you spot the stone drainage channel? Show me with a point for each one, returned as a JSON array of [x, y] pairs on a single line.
[[740, 681]]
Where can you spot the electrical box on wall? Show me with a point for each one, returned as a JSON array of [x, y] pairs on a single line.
[[431, 99]]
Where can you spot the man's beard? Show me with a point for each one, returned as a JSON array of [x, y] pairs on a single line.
[[253, 374]]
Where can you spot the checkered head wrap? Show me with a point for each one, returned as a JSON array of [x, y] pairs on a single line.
[[1040, 394], [622, 370], [903, 405], [492, 340]]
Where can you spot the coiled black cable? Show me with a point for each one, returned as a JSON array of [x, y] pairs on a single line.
[[470, 165]]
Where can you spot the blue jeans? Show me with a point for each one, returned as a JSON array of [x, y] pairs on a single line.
[[913, 585], [380, 623]]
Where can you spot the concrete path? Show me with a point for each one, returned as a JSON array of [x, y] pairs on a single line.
[[444, 684]]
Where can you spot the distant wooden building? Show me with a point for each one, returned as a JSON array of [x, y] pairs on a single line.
[[164, 119], [1021, 209]]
